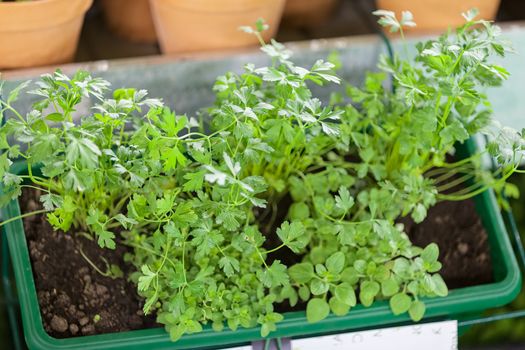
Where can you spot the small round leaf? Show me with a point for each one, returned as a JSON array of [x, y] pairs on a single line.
[[304, 293], [400, 303], [346, 294], [317, 310], [318, 287], [440, 288], [417, 310], [301, 273], [431, 253], [338, 307], [335, 263], [389, 287]]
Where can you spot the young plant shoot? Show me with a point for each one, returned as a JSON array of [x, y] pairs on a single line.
[[210, 207]]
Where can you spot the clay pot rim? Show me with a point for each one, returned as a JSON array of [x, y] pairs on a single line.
[[220, 8], [16, 10]]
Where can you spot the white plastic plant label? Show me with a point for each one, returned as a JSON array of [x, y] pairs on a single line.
[[435, 336]]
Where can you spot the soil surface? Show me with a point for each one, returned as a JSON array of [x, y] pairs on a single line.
[[75, 299], [462, 240]]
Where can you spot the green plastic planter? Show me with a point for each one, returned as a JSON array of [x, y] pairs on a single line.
[[459, 303]]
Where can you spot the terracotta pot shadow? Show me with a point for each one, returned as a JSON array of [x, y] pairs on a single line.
[[130, 20]]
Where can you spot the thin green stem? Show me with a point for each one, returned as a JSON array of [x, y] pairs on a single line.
[[92, 264], [455, 182], [448, 173], [21, 216], [15, 112], [471, 191], [34, 187], [275, 249]]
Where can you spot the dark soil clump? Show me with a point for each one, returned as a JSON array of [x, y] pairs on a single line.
[[462, 240], [75, 299]]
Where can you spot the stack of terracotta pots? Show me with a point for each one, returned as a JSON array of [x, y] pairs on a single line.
[[46, 32]]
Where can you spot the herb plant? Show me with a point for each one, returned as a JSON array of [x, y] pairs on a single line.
[[210, 207], [84, 167]]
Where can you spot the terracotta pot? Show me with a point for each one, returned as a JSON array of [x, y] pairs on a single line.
[[202, 25], [130, 19], [434, 15], [308, 13], [36, 33]]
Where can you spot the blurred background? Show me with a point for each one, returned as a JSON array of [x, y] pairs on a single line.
[[141, 30], [111, 29]]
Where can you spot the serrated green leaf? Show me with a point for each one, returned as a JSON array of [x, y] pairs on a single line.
[[145, 280], [106, 239], [275, 275], [229, 264], [343, 200], [195, 181], [293, 235]]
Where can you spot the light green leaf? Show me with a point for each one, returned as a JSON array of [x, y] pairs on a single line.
[[301, 273], [440, 287], [400, 303], [195, 181], [304, 293], [335, 263], [299, 211], [293, 235], [230, 265], [389, 287], [275, 275], [106, 239], [338, 307], [316, 310], [369, 290], [176, 332], [318, 287], [430, 253], [417, 310], [82, 151], [346, 294], [344, 201], [145, 280]]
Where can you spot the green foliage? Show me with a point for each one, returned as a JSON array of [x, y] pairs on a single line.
[[197, 200], [89, 168]]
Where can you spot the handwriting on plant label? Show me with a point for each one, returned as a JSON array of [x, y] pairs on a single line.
[[435, 336]]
